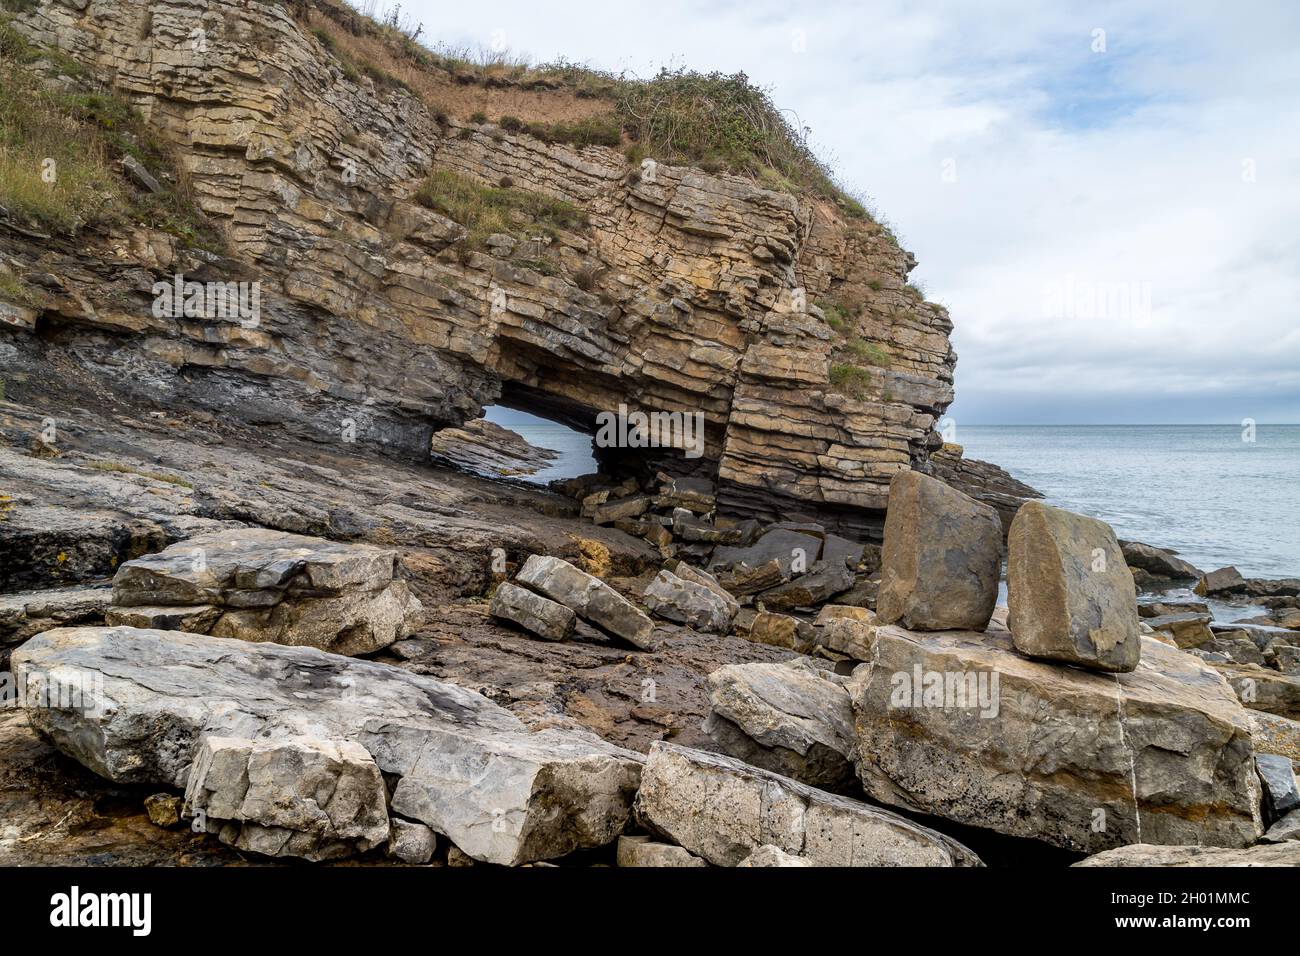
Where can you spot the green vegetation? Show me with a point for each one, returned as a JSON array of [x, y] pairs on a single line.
[[59, 155], [485, 210], [869, 352], [850, 380], [14, 290]]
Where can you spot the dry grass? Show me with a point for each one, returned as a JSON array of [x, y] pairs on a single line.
[[485, 210]]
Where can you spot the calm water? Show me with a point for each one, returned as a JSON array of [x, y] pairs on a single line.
[[1198, 489]]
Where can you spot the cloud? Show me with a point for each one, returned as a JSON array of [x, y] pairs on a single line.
[[1167, 162]]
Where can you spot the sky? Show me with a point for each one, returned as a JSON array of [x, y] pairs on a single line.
[[1106, 199]]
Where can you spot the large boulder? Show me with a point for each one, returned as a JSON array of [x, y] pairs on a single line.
[[688, 603], [1158, 562], [722, 809], [794, 719], [942, 558], [1071, 594], [589, 597], [456, 762], [1223, 581], [962, 726], [297, 796], [255, 584]]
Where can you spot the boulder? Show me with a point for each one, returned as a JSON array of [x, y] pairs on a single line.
[[769, 855], [619, 510], [1262, 688], [846, 629], [1145, 854], [1161, 608], [307, 797], [960, 725], [742, 580], [693, 494], [1223, 581], [1071, 594], [411, 842], [589, 597], [688, 603], [824, 580], [641, 851], [722, 809], [942, 558], [793, 551], [793, 719], [781, 630], [456, 762], [261, 585], [703, 578], [547, 619], [1275, 735], [1159, 562], [1280, 794], [1288, 828], [27, 613]]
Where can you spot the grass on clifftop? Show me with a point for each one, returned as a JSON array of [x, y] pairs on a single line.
[[60, 151], [719, 122], [485, 210]]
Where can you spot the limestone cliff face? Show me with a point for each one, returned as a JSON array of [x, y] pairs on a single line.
[[685, 292]]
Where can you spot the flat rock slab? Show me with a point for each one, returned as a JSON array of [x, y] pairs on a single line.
[[587, 596], [942, 558], [1145, 854], [793, 719], [549, 620], [459, 763], [722, 809], [1071, 595], [261, 585], [961, 726]]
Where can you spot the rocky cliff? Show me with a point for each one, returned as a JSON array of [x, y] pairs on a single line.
[[783, 318]]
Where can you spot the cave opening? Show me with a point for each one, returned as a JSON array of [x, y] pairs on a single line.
[[509, 442]]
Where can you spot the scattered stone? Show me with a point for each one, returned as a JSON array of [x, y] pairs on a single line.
[[722, 809], [411, 842], [589, 597], [641, 851], [959, 725], [164, 809], [793, 551], [1280, 793], [1223, 581], [1070, 593], [547, 619], [693, 494], [457, 762], [1275, 735], [458, 857], [624, 508], [742, 580], [1161, 608], [769, 855], [136, 172], [793, 719], [688, 603], [703, 578], [942, 559], [837, 549], [264, 585], [1288, 660], [1262, 688], [1288, 828], [1145, 854]]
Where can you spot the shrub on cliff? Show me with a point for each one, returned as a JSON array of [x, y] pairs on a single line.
[[485, 210]]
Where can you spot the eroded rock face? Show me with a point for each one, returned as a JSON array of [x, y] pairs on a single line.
[[463, 766], [256, 584], [1081, 760], [1071, 594], [722, 809], [706, 298], [942, 558]]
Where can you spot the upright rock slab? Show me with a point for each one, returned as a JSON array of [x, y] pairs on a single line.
[[1070, 592], [460, 764], [261, 585], [723, 810], [961, 726], [942, 557], [589, 597]]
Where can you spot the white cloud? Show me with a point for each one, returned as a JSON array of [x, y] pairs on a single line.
[[1115, 167]]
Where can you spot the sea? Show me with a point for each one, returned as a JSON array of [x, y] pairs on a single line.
[[1217, 494]]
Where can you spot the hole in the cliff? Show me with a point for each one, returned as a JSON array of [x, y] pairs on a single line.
[[507, 442]]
